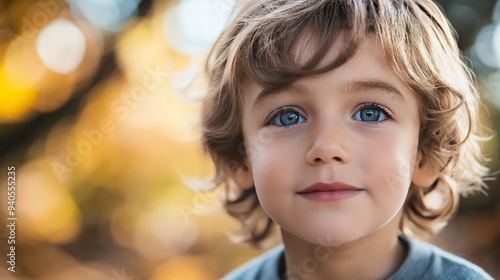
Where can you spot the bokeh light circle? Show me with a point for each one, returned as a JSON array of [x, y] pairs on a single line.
[[61, 46]]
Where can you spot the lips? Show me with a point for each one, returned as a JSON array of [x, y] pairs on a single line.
[[326, 187], [329, 191]]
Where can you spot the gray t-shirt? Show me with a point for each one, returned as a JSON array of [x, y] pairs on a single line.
[[424, 261]]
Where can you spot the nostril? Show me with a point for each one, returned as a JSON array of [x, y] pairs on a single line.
[[322, 153], [324, 159]]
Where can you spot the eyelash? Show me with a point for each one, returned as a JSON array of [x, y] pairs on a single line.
[[276, 113], [384, 109]]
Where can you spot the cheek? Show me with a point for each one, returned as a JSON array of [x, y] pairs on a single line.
[[390, 164], [271, 181], [272, 166], [271, 158], [275, 170]]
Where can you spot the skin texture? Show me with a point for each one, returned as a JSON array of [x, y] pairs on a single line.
[[349, 126]]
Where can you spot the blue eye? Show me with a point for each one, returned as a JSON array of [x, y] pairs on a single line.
[[371, 114], [286, 117]]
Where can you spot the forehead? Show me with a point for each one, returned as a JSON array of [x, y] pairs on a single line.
[[367, 68]]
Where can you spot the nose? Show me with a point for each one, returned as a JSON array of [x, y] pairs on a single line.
[[329, 144]]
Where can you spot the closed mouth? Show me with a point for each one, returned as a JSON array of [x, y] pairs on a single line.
[[328, 187]]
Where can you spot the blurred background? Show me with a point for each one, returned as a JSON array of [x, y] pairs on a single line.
[[99, 115]]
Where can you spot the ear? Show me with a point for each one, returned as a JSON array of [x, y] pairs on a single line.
[[424, 173], [241, 174]]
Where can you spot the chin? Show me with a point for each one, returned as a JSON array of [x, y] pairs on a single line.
[[328, 238]]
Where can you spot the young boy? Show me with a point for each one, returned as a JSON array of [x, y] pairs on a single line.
[[353, 125]]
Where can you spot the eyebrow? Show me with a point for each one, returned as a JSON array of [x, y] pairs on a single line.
[[356, 86], [265, 93], [376, 85]]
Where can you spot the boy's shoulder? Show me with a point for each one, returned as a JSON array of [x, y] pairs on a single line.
[[424, 261]]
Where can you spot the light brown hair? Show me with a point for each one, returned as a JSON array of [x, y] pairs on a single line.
[[420, 46]]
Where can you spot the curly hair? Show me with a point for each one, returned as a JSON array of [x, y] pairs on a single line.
[[419, 44]]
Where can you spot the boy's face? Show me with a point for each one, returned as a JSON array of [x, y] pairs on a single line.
[[332, 156]]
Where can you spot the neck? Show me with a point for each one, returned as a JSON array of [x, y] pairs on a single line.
[[376, 256]]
